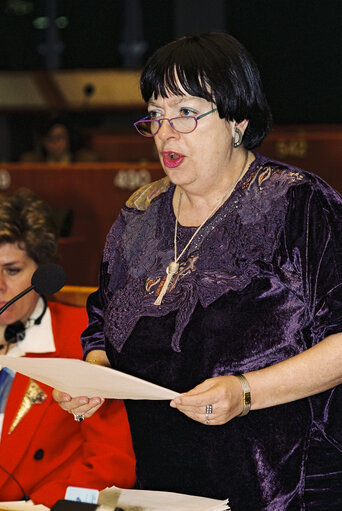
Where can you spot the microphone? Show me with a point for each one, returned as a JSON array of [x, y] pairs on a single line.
[[47, 279]]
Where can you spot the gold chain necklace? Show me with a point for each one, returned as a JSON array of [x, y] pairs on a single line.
[[173, 267]]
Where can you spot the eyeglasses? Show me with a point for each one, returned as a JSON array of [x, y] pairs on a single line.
[[149, 127]]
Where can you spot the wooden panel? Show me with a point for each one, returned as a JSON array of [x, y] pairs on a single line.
[[111, 146], [317, 148], [111, 88], [94, 191], [74, 295], [43, 90]]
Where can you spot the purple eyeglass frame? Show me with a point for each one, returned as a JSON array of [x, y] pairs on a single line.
[[159, 121]]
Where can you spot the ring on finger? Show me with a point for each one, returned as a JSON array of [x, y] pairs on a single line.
[[78, 417], [208, 412], [208, 409]]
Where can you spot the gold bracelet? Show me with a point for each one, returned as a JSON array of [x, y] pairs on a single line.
[[246, 394], [93, 361]]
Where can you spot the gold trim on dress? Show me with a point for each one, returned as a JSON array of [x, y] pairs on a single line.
[[142, 198], [34, 395]]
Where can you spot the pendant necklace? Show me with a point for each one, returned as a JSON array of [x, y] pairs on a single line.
[[173, 267]]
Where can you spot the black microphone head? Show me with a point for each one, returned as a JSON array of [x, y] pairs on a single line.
[[15, 332], [48, 278]]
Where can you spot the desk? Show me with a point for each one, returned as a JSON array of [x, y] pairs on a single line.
[[97, 191], [94, 191], [316, 148]]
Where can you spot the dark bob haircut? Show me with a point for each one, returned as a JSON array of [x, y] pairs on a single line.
[[215, 67]]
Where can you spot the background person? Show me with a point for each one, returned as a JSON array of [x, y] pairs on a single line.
[[57, 144], [251, 299], [43, 449]]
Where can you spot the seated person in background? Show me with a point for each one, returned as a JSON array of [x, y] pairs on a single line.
[[42, 449], [57, 145]]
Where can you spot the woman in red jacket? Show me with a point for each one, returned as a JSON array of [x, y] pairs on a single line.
[[42, 450]]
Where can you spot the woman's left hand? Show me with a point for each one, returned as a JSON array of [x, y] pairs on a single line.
[[223, 393]]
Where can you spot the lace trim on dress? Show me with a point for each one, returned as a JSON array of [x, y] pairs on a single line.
[[224, 257]]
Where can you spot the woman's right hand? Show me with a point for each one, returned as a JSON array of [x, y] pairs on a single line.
[[81, 406]]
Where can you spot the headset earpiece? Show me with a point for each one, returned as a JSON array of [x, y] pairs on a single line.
[[16, 331], [39, 319]]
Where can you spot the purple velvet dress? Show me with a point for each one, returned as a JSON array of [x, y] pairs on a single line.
[[260, 283]]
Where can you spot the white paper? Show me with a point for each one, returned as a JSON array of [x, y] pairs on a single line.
[[144, 500], [22, 505], [79, 378], [137, 500]]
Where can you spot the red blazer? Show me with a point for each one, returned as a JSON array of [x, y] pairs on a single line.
[[47, 450]]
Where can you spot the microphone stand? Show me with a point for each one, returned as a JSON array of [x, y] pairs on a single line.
[[23, 293]]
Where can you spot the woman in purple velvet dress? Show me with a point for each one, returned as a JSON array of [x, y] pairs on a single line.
[[222, 281]]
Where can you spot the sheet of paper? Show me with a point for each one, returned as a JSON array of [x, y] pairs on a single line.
[[29, 506], [144, 500], [137, 500], [79, 378], [21, 505]]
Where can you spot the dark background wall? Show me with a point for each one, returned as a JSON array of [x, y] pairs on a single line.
[[298, 47], [296, 43]]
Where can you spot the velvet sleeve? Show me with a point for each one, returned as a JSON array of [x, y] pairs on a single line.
[[111, 271], [314, 244]]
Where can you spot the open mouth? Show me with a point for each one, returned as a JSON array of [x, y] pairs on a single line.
[[172, 159]]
